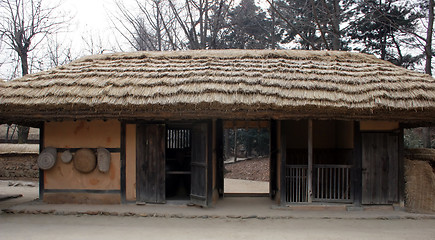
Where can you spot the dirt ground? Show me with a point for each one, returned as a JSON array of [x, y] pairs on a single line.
[[53, 227], [252, 169], [245, 186], [28, 189]]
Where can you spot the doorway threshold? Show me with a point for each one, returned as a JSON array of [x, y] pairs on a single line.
[[246, 194], [318, 206]]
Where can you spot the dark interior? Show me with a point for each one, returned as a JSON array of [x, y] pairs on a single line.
[[178, 159]]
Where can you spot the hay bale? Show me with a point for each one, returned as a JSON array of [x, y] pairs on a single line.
[[103, 159], [419, 186], [84, 160], [47, 158]]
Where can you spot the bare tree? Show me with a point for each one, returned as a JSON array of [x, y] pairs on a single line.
[[151, 27], [201, 21], [158, 25], [23, 25], [58, 53], [94, 43], [428, 51]]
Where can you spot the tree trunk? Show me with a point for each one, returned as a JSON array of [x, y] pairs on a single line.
[[23, 132], [158, 27], [273, 40], [227, 143], [428, 47], [428, 67], [426, 137], [336, 43]]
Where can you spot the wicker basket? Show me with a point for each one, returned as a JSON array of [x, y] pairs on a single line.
[[103, 158], [66, 156], [47, 158], [84, 160]]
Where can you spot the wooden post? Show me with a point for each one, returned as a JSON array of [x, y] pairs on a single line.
[[310, 161], [220, 155], [357, 165], [41, 172], [123, 162], [282, 146], [401, 169]]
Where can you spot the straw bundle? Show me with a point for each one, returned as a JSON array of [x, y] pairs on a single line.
[[223, 84], [420, 186]]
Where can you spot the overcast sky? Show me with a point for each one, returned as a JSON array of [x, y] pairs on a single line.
[[88, 19]]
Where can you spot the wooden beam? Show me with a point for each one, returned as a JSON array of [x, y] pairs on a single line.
[[180, 113], [310, 161], [246, 124]]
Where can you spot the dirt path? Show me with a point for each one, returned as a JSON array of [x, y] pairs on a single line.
[[106, 227], [245, 186], [251, 169]]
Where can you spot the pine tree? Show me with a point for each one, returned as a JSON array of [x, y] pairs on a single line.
[[249, 27], [380, 28]]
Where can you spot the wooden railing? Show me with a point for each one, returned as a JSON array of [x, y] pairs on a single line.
[[331, 183], [296, 183]]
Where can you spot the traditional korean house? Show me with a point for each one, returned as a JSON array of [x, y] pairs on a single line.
[[148, 126]]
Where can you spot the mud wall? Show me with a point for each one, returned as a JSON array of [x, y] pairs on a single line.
[[63, 183], [18, 166], [326, 134]]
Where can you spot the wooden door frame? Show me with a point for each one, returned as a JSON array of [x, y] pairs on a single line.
[[393, 188]]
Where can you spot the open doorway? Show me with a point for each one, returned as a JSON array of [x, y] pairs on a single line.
[[178, 161], [246, 158]]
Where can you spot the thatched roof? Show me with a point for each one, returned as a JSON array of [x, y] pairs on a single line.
[[237, 84]]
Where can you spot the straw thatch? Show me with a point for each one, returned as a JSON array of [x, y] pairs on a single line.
[[222, 84]]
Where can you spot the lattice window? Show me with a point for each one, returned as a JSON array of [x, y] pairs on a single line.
[[177, 138]]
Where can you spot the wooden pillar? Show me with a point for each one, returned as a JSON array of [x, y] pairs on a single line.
[[220, 156], [283, 161], [123, 162], [357, 166], [401, 172], [41, 172], [310, 161]]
